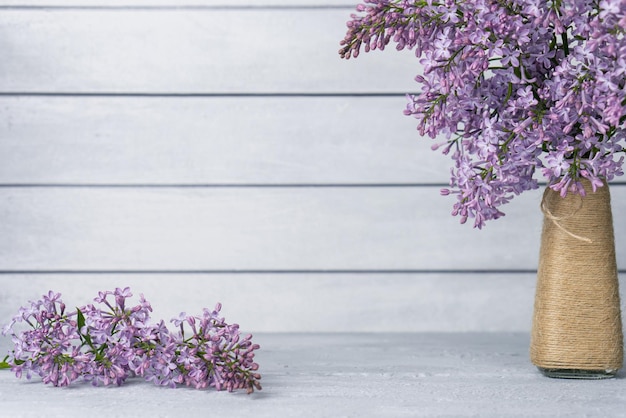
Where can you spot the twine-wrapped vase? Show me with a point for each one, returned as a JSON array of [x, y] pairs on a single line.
[[577, 327]]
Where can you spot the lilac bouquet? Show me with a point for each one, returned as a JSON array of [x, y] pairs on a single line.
[[109, 342], [511, 86]]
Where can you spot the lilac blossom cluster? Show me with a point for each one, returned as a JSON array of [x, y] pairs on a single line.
[[510, 87], [109, 342]]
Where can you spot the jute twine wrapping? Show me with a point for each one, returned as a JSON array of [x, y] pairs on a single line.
[[577, 321]]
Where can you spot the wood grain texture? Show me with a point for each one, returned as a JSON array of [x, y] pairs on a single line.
[[308, 302], [348, 4], [287, 228], [190, 51], [208, 93], [351, 375], [234, 140]]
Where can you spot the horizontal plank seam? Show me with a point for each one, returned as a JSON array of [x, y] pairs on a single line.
[[192, 7], [230, 185], [213, 185], [274, 271], [66, 94]]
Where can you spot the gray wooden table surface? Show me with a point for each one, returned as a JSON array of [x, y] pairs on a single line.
[[351, 375]]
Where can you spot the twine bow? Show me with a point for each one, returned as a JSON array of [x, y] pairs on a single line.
[[556, 219]]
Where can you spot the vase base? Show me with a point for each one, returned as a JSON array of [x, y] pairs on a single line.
[[578, 373]]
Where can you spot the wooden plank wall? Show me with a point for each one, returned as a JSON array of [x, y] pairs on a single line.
[[204, 150]]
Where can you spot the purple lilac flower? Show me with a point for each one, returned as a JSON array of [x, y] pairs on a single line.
[[215, 355], [109, 342], [515, 86], [50, 348]]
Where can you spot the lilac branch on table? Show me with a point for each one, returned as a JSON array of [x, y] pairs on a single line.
[[514, 86], [109, 342]]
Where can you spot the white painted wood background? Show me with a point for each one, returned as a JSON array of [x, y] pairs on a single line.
[[202, 151]]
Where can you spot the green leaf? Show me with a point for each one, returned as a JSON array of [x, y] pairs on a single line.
[[80, 318], [4, 364]]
